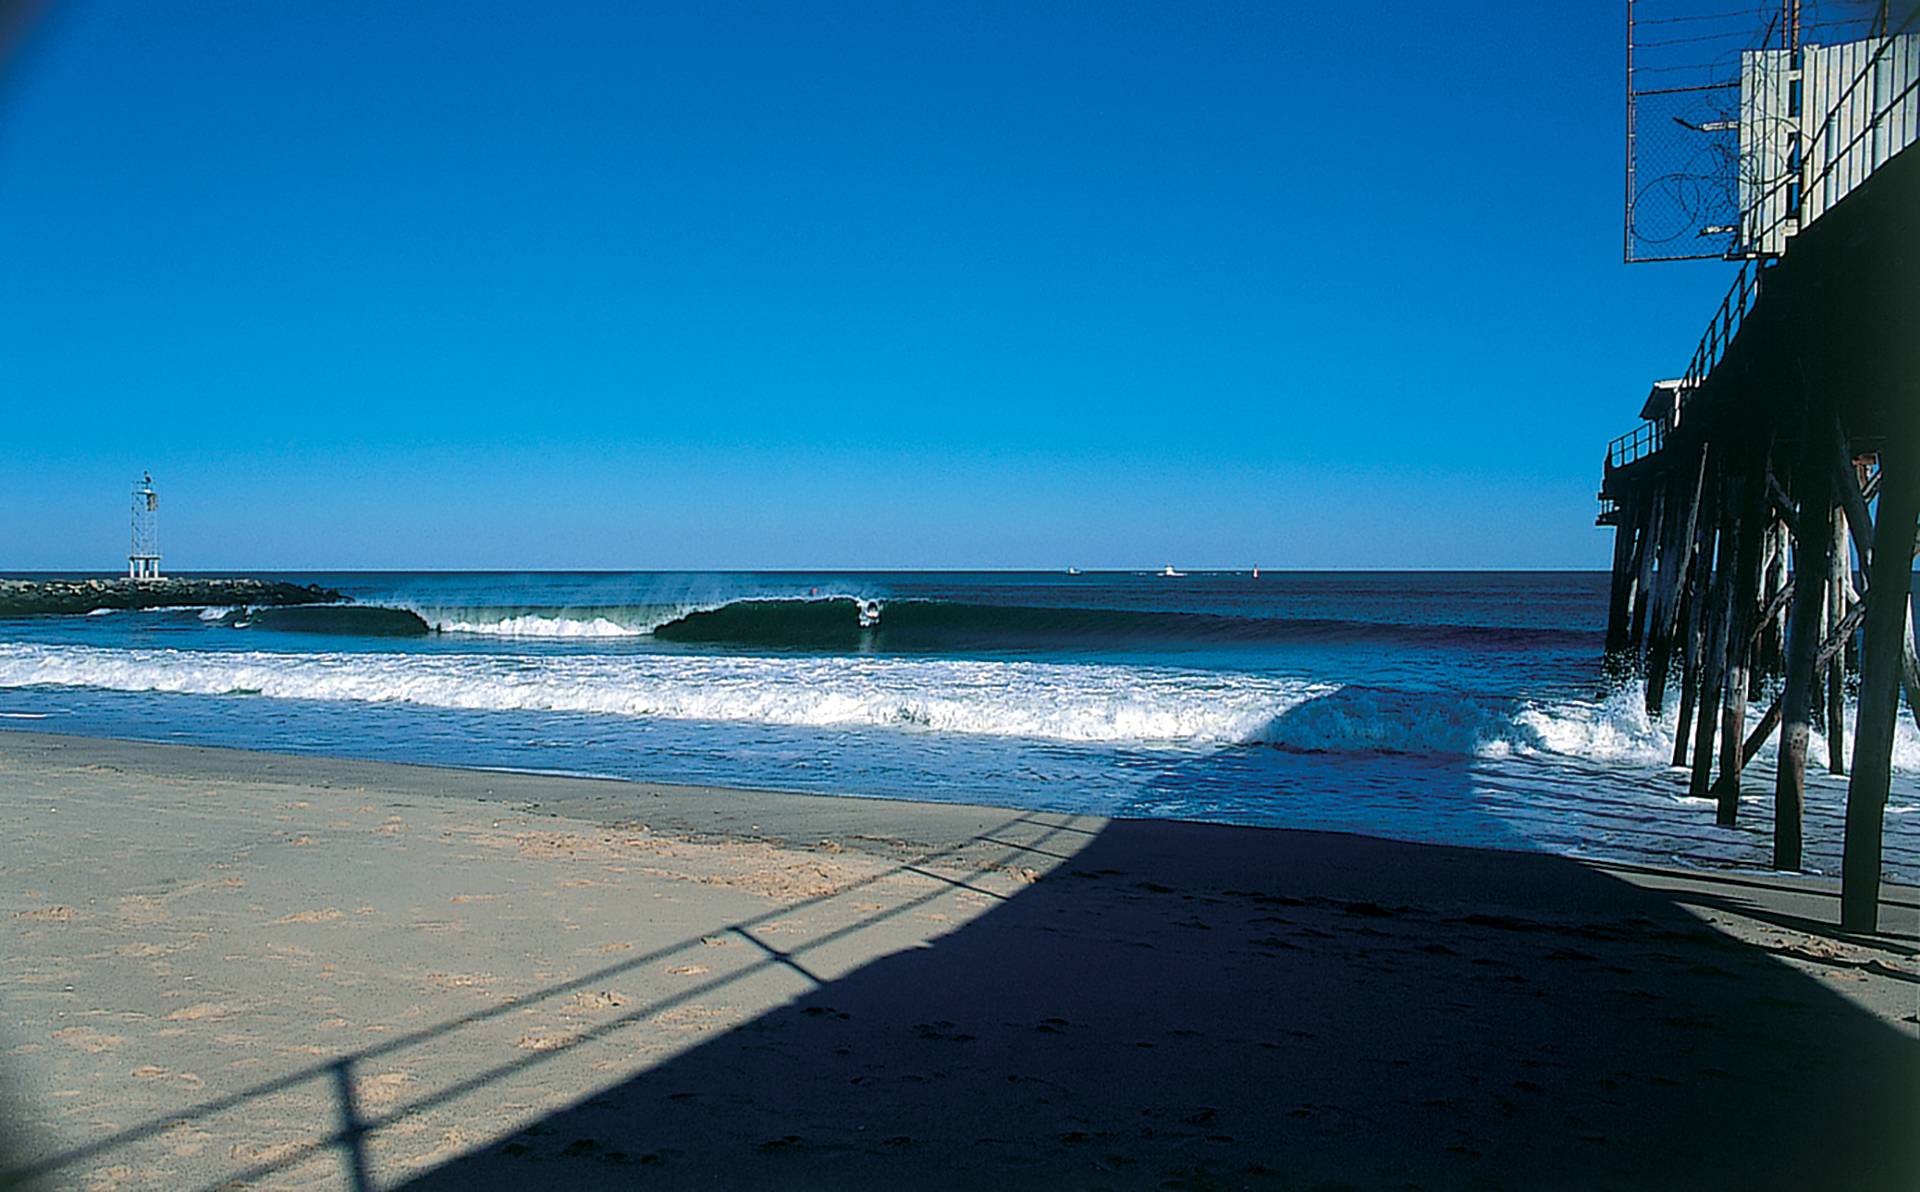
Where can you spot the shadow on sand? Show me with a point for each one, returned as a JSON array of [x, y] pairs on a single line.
[[1186, 1005], [1189, 1006]]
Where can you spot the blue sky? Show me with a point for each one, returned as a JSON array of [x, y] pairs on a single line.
[[821, 285]]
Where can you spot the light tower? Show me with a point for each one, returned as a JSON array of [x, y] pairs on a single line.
[[143, 560]]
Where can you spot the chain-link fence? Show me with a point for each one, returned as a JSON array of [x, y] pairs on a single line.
[[1684, 173], [1718, 107], [1683, 122]]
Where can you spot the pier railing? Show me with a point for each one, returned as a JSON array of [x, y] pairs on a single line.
[[1724, 325], [1650, 436], [1637, 444]]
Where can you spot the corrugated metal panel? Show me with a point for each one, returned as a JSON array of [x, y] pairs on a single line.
[[1809, 136], [1768, 128], [1864, 108]]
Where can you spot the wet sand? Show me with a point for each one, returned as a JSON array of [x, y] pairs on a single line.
[[241, 969]]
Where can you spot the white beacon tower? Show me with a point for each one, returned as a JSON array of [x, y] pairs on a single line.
[[143, 560]]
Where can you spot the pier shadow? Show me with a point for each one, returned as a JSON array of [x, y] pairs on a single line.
[[1190, 1006]]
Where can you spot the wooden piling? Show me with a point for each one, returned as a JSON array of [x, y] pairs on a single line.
[[1754, 522], [1699, 578], [1645, 557], [1839, 588], [1719, 612], [1676, 557], [1621, 593], [1779, 583], [1910, 669], [1852, 499], [1889, 582], [1812, 567]]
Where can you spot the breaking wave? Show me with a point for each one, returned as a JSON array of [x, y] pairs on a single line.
[[835, 623], [1041, 700], [537, 625], [930, 625], [1057, 701], [1359, 719], [840, 622], [355, 620]]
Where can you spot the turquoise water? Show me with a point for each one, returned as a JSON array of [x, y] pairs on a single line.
[[1465, 708]]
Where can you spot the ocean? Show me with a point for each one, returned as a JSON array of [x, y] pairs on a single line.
[[1462, 708]]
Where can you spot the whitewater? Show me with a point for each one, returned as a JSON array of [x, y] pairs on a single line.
[[1465, 709]]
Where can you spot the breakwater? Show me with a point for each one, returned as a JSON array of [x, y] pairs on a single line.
[[21, 597]]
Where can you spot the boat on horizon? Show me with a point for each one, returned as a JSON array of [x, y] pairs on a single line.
[[1170, 573]]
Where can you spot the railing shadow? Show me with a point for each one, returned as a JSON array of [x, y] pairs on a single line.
[[1194, 1006], [1190, 1005], [354, 1128]]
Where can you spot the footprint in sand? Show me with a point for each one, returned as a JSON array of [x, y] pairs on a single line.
[[603, 1000], [202, 1012], [542, 1042], [47, 914], [321, 916], [266, 1154], [460, 980], [87, 1039], [383, 1089]]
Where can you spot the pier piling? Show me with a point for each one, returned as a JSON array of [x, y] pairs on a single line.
[[1812, 567], [1751, 529], [1885, 640]]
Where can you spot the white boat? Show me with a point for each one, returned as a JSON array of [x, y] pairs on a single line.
[[1170, 573], [1256, 571], [1073, 571]]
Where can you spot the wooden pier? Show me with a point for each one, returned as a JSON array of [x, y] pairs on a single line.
[[1765, 519]]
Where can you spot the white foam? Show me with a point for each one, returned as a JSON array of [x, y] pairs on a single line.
[[1054, 701], [1615, 729], [538, 626], [1095, 703], [1362, 719]]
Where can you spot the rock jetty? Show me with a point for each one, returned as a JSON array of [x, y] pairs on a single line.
[[21, 597]]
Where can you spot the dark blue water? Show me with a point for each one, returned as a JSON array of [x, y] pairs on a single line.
[[1467, 708]]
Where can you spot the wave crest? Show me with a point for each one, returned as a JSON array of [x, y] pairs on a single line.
[[535, 625]]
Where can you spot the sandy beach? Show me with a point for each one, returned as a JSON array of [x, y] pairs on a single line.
[[232, 969]]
